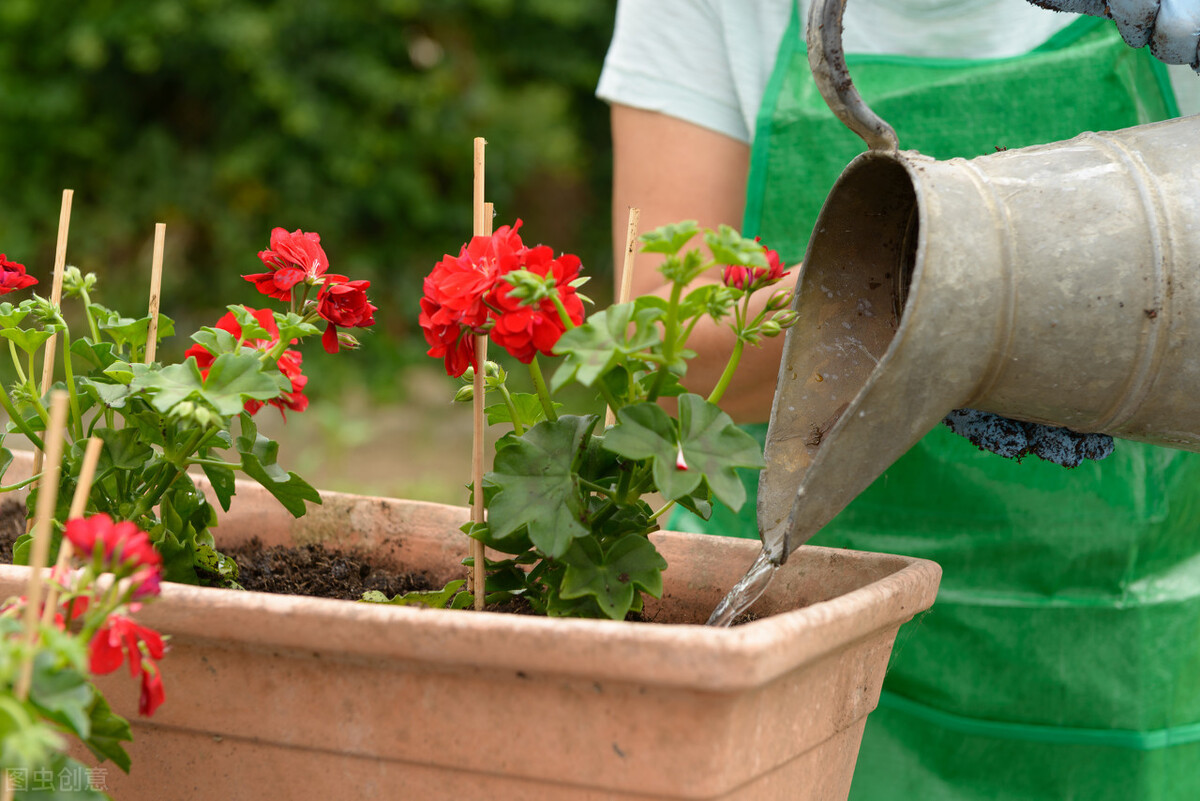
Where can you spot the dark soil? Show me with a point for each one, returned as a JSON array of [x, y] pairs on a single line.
[[12, 526], [318, 572]]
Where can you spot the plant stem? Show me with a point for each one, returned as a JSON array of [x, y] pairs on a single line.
[[87, 311], [543, 393], [596, 488], [727, 375], [666, 507], [670, 324], [518, 427], [562, 312], [76, 420], [16, 360], [19, 421]]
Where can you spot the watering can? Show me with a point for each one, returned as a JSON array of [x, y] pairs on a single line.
[[1057, 284]]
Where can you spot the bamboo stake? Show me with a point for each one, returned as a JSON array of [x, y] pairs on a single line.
[[47, 498], [626, 279], [482, 226], [160, 235], [78, 506], [60, 264]]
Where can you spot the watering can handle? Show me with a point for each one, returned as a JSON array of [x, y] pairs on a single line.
[[827, 59]]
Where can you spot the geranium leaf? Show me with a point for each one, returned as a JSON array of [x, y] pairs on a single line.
[[434, 599], [715, 446], [730, 247], [63, 693], [111, 395], [613, 576], [235, 377], [669, 238], [598, 345], [288, 488], [109, 730], [98, 354], [223, 483], [169, 385], [124, 449], [536, 487], [127, 330], [28, 341], [529, 409], [711, 445], [645, 431]]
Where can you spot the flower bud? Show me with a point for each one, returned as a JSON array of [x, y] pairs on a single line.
[[493, 370], [786, 319], [780, 300], [770, 328], [347, 341], [465, 394]]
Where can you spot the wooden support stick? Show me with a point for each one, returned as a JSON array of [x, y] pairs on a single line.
[[78, 506], [60, 265], [482, 226], [47, 498], [626, 278], [160, 235]]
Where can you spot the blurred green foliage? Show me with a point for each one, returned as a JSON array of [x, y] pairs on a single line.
[[226, 118]]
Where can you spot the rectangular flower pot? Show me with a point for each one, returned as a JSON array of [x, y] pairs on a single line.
[[295, 698]]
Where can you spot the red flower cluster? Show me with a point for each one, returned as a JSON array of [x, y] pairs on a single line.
[[289, 361], [737, 276], [121, 637], [468, 295], [12, 276], [121, 543], [292, 258], [297, 258]]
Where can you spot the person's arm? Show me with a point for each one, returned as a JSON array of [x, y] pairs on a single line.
[[673, 170]]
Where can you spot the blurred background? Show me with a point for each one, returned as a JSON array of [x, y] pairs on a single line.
[[227, 118]]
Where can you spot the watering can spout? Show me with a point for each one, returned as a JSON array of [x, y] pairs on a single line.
[[1053, 284]]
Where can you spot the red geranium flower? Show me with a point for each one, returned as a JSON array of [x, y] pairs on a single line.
[[738, 276], [120, 637], [153, 693], [453, 308], [293, 258], [289, 362], [12, 276], [122, 542], [525, 330], [343, 303]]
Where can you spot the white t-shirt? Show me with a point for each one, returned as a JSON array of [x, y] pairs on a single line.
[[708, 61]]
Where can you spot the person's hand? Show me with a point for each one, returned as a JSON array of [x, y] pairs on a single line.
[[1014, 439], [1170, 27]]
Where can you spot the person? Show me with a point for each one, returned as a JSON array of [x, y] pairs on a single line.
[[1060, 660]]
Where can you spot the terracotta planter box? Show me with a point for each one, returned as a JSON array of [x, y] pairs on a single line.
[[294, 698]]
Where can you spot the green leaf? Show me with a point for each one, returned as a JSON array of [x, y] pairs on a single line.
[[713, 448], [98, 354], [109, 730], [434, 599], [223, 481], [131, 331], [669, 238], [646, 431], [729, 247], [215, 340], [236, 377], [536, 486], [598, 345], [61, 692], [288, 488], [11, 316], [529, 409], [232, 379], [612, 576], [109, 395], [26, 340], [119, 371], [124, 449]]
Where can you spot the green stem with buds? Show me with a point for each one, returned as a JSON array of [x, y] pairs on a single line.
[[543, 392]]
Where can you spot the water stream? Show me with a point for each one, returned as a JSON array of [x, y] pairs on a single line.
[[745, 592]]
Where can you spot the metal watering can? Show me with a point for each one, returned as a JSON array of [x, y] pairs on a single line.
[[1057, 284]]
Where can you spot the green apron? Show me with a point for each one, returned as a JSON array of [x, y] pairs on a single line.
[[1062, 658]]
